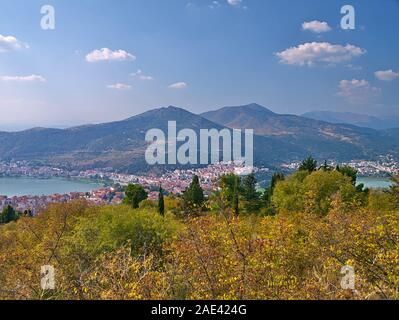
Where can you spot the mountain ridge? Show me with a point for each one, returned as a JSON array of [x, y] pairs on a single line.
[[360, 120], [121, 144]]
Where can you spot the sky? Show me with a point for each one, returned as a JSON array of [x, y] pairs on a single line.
[[107, 60]]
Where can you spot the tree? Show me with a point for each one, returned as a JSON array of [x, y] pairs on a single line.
[[228, 184], [161, 203], [249, 193], [277, 177], [267, 195], [8, 215], [193, 197], [349, 172], [309, 164], [135, 194], [394, 190], [321, 187], [326, 167], [236, 195]]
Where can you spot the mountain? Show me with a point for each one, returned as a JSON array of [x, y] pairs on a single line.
[[121, 145], [359, 120], [116, 144], [320, 138]]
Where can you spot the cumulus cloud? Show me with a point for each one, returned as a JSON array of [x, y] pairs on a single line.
[[178, 85], [316, 26], [139, 74], [357, 91], [387, 75], [106, 54], [120, 86], [31, 78], [319, 52], [10, 43]]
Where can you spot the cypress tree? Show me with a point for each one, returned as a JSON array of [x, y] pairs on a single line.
[[235, 201], [194, 195], [161, 203]]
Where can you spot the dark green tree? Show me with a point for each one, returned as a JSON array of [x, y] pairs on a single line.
[[349, 172], [227, 184], [236, 196], [161, 202], [135, 194], [309, 164], [249, 193], [277, 177], [267, 195], [325, 167], [193, 197], [9, 215]]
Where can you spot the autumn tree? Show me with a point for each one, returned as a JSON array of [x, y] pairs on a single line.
[[228, 184], [394, 190]]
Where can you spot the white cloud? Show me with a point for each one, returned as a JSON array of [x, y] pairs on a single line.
[[120, 86], [178, 85], [234, 3], [10, 43], [316, 26], [139, 74], [106, 54], [31, 78], [387, 75], [357, 91], [319, 52]]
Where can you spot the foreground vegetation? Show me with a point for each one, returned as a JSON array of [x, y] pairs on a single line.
[[290, 242]]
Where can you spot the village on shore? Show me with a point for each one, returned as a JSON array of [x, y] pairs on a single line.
[[174, 182]]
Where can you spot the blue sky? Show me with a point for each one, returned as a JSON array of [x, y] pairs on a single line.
[[107, 60]]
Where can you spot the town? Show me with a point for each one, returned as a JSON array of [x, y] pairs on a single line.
[[384, 166], [173, 182]]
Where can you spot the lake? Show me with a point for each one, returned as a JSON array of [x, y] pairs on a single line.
[[10, 186], [375, 183]]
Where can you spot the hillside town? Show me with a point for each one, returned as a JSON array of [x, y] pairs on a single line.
[[174, 182], [384, 166]]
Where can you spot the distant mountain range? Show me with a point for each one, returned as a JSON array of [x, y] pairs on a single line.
[[121, 145], [359, 120]]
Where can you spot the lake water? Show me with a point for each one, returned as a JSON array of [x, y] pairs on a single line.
[[37, 187], [375, 183]]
